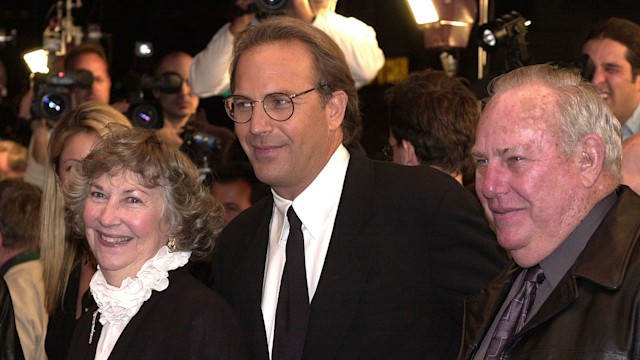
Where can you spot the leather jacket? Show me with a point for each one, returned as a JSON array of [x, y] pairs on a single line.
[[10, 348], [593, 313]]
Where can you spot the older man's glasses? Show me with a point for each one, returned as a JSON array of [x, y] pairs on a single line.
[[278, 106]]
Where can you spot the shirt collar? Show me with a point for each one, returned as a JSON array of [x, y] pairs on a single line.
[[632, 125], [314, 204], [556, 265]]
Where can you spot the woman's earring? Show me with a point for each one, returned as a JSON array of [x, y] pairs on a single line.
[[171, 244]]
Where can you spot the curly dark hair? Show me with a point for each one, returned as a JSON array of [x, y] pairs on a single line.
[[437, 114]]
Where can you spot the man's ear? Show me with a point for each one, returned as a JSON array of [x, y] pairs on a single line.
[[409, 156], [156, 93], [591, 159], [336, 107]]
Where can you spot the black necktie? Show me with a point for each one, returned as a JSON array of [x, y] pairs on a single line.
[[292, 314], [515, 314]]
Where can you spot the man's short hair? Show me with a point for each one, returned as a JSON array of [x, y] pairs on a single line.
[[19, 214], [623, 31], [579, 109], [88, 47], [331, 71], [437, 114]]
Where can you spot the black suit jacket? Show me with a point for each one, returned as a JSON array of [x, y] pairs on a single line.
[[185, 321], [407, 245]]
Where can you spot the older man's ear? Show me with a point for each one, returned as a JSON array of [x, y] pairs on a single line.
[[591, 159]]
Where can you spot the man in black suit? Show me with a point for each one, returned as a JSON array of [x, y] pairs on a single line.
[[389, 251]]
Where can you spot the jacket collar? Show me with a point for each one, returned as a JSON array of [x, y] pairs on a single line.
[[605, 259]]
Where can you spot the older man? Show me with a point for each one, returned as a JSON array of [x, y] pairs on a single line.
[[548, 151], [376, 257]]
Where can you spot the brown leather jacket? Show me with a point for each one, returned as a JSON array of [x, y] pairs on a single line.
[[593, 313]]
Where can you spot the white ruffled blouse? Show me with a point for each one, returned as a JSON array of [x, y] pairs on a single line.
[[117, 305]]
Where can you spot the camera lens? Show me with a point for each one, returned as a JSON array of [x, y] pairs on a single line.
[[271, 5], [146, 116], [54, 106], [201, 139]]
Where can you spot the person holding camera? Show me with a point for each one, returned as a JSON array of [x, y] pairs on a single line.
[[209, 73], [181, 119], [87, 67], [174, 94]]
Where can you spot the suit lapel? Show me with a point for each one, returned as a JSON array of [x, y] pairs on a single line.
[[480, 309], [247, 295], [605, 268], [346, 265]]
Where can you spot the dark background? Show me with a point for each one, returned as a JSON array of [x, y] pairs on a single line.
[[554, 35]]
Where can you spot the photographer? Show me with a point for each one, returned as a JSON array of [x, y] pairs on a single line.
[[209, 73], [88, 57], [179, 103]]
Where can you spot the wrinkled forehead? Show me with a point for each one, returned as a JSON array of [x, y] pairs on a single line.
[[531, 104], [524, 111]]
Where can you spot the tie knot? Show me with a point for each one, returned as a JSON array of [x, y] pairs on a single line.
[[294, 220], [535, 275]]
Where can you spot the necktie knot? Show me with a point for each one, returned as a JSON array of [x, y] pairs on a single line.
[[535, 275]]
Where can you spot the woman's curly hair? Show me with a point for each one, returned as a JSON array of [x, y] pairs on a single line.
[[193, 217]]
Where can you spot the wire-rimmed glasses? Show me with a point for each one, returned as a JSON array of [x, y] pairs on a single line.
[[278, 106]]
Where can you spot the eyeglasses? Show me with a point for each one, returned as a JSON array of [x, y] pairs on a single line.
[[169, 82], [278, 106]]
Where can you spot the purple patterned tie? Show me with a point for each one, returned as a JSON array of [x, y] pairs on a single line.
[[292, 313], [514, 316]]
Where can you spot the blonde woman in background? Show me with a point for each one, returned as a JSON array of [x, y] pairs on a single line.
[[67, 263]]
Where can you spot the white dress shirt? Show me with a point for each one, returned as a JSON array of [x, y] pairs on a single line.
[[316, 207]]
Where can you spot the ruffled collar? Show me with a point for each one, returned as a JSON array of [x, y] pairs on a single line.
[[119, 304]]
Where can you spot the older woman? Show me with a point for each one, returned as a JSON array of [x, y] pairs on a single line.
[[144, 212], [66, 261]]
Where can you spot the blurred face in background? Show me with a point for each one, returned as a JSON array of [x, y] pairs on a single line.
[[613, 76], [76, 148], [101, 87], [182, 104], [234, 195]]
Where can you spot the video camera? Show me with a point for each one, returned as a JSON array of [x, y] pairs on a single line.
[[53, 100], [271, 5], [147, 113], [262, 8]]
